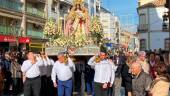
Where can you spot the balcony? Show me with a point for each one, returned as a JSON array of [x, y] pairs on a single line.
[[8, 30], [33, 33], [11, 5], [35, 12], [37, 1], [143, 27]]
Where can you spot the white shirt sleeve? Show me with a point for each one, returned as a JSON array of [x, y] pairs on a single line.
[[91, 62], [40, 62], [52, 62], [71, 64], [48, 61], [113, 70], [26, 66], [54, 72], [113, 75]]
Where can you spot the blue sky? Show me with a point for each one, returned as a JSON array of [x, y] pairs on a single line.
[[126, 10]]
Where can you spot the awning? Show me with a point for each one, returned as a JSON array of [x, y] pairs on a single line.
[[24, 40], [7, 38]]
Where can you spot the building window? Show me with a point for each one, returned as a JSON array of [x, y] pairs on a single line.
[[142, 19], [143, 26], [167, 43], [143, 44]]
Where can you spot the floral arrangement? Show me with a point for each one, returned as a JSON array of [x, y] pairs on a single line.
[[50, 28], [96, 30], [65, 41]]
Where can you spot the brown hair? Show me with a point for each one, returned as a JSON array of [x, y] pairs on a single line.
[[161, 70], [130, 60]]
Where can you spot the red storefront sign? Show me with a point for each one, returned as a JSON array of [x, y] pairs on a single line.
[[24, 40], [6, 38]]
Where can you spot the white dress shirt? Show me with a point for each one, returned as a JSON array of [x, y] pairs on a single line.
[[43, 67], [31, 70], [104, 71], [63, 71], [49, 66]]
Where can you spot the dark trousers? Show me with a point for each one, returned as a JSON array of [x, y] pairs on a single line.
[[65, 88], [44, 86], [17, 85], [50, 88], [98, 89], [32, 87], [110, 91]]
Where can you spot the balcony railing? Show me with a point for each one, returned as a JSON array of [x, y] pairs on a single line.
[[11, 5], [8, 30], [33, 33], [35, 12], [143, 27]]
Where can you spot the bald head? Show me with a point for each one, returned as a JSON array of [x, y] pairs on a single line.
[[136, 68]]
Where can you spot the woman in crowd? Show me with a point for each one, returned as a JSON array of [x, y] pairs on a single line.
[[152, 63], [16, 75], [158, 59], [160, 86], [126, 75]]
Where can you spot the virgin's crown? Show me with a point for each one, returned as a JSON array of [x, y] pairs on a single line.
[[78, 2]]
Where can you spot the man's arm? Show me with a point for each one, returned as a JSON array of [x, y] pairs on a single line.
[[113, 70], [91, 61], [54, 73], [26, 66], [71, 64]]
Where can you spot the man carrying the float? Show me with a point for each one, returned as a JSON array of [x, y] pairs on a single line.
[[63, 69], [104, 73]]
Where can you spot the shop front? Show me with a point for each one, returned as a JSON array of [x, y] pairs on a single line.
[[37, 45], [7, 42]]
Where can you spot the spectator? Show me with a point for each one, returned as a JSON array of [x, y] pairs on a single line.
[[31, 75], [119, 62], [141, 81], [152, 64], [143, 62], [102, 67], [158, 59], [126, 75], [16, 75], [63, 69], [160, 86], [6, 67], [1, 81]]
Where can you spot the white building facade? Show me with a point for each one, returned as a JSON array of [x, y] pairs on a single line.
[[151, 32], [107, 20]]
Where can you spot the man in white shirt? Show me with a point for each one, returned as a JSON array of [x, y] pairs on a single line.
[[104, 74], [32, 80], [63, 69]]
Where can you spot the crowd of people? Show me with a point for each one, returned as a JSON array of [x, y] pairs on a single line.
[[144, 73]]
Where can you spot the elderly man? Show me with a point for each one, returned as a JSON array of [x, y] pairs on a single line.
[[104, 73], [31, 72], [141, 81], [63, 69], [143, 62]]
